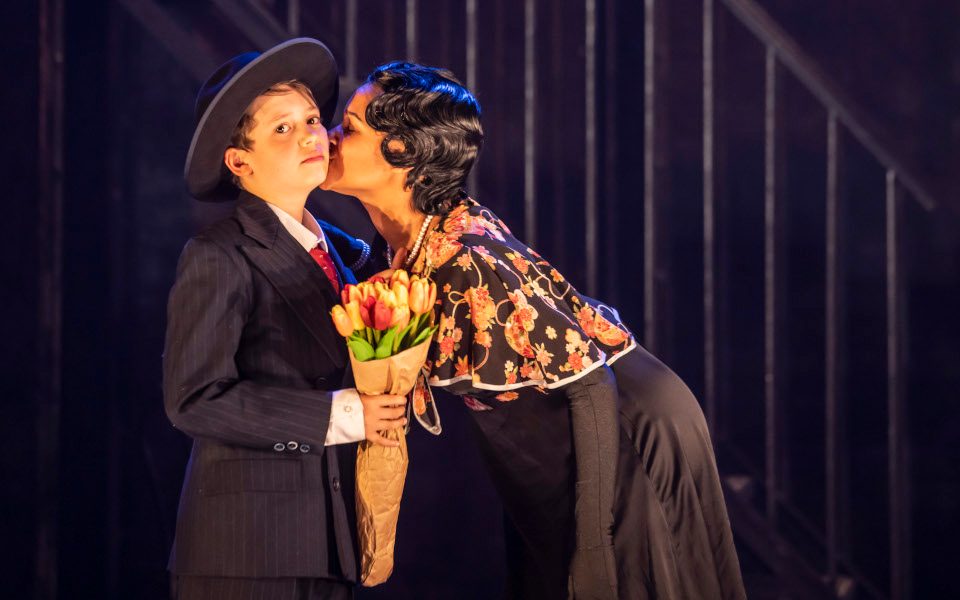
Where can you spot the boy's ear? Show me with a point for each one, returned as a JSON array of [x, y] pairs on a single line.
[[235, 159]]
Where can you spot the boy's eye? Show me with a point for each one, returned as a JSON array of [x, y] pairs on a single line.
[[282, 128], [313, 121]]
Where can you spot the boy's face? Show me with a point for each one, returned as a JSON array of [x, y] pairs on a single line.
[[290, 150]]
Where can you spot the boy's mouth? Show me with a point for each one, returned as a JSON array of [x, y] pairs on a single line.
[[314, 158]]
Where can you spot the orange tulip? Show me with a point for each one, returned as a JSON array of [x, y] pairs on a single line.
[[432, 296], [342, 321], [401, 317], [419, 291]]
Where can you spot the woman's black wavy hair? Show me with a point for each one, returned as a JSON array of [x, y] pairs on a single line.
[[438, 122]]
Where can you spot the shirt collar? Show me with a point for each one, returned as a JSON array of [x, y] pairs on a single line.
[[307, 233]]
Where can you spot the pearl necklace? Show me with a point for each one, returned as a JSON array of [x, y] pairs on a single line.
[[412, 257]]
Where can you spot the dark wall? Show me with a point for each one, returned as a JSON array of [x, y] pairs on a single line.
[[18, 332]]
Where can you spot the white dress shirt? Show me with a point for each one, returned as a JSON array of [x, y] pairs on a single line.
[[346, 414]]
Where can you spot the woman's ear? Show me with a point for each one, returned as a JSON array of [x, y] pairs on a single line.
[[235, 159]]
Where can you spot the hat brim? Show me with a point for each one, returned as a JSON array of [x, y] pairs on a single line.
[[303, 59]]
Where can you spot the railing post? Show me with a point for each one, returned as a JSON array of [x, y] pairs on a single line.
[[350, 68], [293, 17], [590, 154], [771, 275], [48, 373], [471, 51], [529, 122], [831, 350], [411, 30], [896, 425], [709, 221], [655, 281]]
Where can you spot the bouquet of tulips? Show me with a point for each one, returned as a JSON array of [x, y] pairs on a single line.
[[388, 326], [380, 318]]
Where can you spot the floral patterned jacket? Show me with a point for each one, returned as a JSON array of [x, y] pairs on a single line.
[[508, 321]]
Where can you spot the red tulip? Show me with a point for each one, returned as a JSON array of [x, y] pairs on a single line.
[[366, 310], [382, 315]]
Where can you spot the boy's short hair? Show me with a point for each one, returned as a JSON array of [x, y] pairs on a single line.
[[241, 133]]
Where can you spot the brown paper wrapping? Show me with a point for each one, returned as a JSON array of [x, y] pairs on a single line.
[[381, 471]]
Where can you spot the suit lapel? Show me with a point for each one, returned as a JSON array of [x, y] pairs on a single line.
[[346, 275], [292, 272]]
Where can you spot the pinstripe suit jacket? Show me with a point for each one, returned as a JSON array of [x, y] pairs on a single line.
[[251, 359]]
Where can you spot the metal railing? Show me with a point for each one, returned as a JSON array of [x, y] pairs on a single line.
[[784, 55]]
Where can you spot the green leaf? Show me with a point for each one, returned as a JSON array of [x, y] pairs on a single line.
[[426, 334], [402, 335], [362, 350], [385, 347]]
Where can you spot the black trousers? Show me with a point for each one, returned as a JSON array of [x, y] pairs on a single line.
[[238, 588]]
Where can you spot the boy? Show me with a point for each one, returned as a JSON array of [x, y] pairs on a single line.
[[253, 369]]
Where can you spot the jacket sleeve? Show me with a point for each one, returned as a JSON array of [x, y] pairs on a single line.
[[204, 395]]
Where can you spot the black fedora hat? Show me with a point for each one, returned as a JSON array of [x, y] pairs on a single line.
[[225, 96]]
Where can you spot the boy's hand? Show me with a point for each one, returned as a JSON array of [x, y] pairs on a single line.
[[380, 413], [398, 259]]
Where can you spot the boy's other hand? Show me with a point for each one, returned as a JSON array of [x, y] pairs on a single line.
[[381, 413]]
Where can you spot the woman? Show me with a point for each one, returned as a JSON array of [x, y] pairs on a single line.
[[599, 452]]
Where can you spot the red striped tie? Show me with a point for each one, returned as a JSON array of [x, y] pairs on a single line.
[[326, 263]]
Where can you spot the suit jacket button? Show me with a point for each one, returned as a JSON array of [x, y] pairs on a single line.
[[304, 448], [336, 484], [279, 447], [292, 445], [319, 382]]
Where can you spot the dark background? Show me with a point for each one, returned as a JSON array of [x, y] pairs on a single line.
[[92, 467]]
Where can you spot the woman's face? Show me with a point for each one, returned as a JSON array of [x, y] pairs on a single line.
[[357, 166]]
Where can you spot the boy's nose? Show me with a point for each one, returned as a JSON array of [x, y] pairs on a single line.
[[317, 134]]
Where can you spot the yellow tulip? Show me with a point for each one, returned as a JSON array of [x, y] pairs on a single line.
[[401, 276], [355, 294], [342, 321], [402, 292], [432, 296], [387, 297], [353, 311]]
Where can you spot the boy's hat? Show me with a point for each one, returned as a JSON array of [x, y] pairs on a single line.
[[225, 96]]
